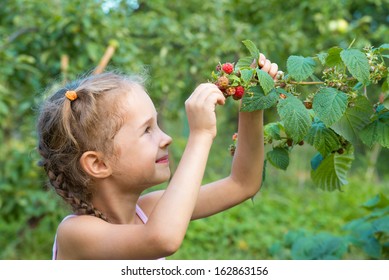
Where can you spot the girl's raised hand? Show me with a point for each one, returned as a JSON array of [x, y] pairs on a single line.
[[200, 109]]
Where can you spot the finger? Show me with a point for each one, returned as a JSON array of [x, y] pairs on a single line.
[[216, 97], [266, 66], [273, 70], [262, 60]]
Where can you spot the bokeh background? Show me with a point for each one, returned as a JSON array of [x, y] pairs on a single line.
[[44, 43]]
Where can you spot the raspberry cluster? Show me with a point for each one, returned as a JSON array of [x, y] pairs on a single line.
[[227, 80]]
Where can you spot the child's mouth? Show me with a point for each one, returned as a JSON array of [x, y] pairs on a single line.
[[164, 159]]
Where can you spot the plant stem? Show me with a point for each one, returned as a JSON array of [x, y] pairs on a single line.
[[306, 83]]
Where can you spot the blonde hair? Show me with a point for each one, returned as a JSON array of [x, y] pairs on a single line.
[[66, 129]]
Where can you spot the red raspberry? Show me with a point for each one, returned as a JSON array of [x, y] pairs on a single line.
[[222, 82], [239, 92], [228, 68], [235, 137], [282, 96]]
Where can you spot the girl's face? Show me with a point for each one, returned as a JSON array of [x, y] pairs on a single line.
[[141, 154]]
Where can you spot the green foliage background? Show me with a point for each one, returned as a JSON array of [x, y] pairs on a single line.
[[178, 43]]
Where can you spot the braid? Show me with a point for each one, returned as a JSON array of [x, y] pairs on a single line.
[[67, 128]]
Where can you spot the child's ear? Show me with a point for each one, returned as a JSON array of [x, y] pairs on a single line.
[[94, 164]]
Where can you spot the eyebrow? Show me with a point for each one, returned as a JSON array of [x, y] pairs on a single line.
[[148, 121]]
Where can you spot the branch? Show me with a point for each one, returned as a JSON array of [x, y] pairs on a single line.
[[17, 34]]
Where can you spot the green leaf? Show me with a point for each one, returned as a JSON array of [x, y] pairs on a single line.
[[386, 102], [322, 138], [333, 58], [354, 119], [244, 62], [295, 117], [357, 64], [299, 67], [246, 75], [378, 201], [322, 57], [265, 81], [329, 104], [254, 99], [252, 49], [381, 225], [273, 131], [331, 174], [316, 160], [377, 132], [383, 47], [278, 157], [322, 246]]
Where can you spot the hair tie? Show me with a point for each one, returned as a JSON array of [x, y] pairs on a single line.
[[71, 95]]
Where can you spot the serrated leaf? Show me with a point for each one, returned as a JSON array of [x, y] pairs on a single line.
[[354, 119], [295, 117], [322, 57], [329, 105], [376, 132], [246, 75], [254, 99], [254, 52], [322, 138], [265, 81], [244, 62], [278, 157], [331, 174], [273, 130], [333, 58], [357, 64], [299, 67]]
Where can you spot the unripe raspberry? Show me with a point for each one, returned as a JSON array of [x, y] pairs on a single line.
[[228, 68], [289, 142], [230, 91], [280, 75], [218, 68], [235, 136], [282, 96], [239, 92], [232, 149], [222, 82], [308, 104]]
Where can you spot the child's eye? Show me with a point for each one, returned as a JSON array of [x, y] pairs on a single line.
[[148, 129]]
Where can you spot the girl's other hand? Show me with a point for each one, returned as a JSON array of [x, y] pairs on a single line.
[[267, 66]]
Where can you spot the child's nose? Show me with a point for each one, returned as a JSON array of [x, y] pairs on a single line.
[[166, 140]]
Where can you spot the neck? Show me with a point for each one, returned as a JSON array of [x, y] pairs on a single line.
[[118, 206]]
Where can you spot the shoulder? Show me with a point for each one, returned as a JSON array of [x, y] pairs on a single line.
[[76, 232], [148, 201]]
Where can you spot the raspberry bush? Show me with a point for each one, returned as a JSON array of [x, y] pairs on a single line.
[[322, 100]]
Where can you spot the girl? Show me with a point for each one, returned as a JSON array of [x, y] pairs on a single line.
[[101, 147]]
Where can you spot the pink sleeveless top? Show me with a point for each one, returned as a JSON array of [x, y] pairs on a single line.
[[139, 212]]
